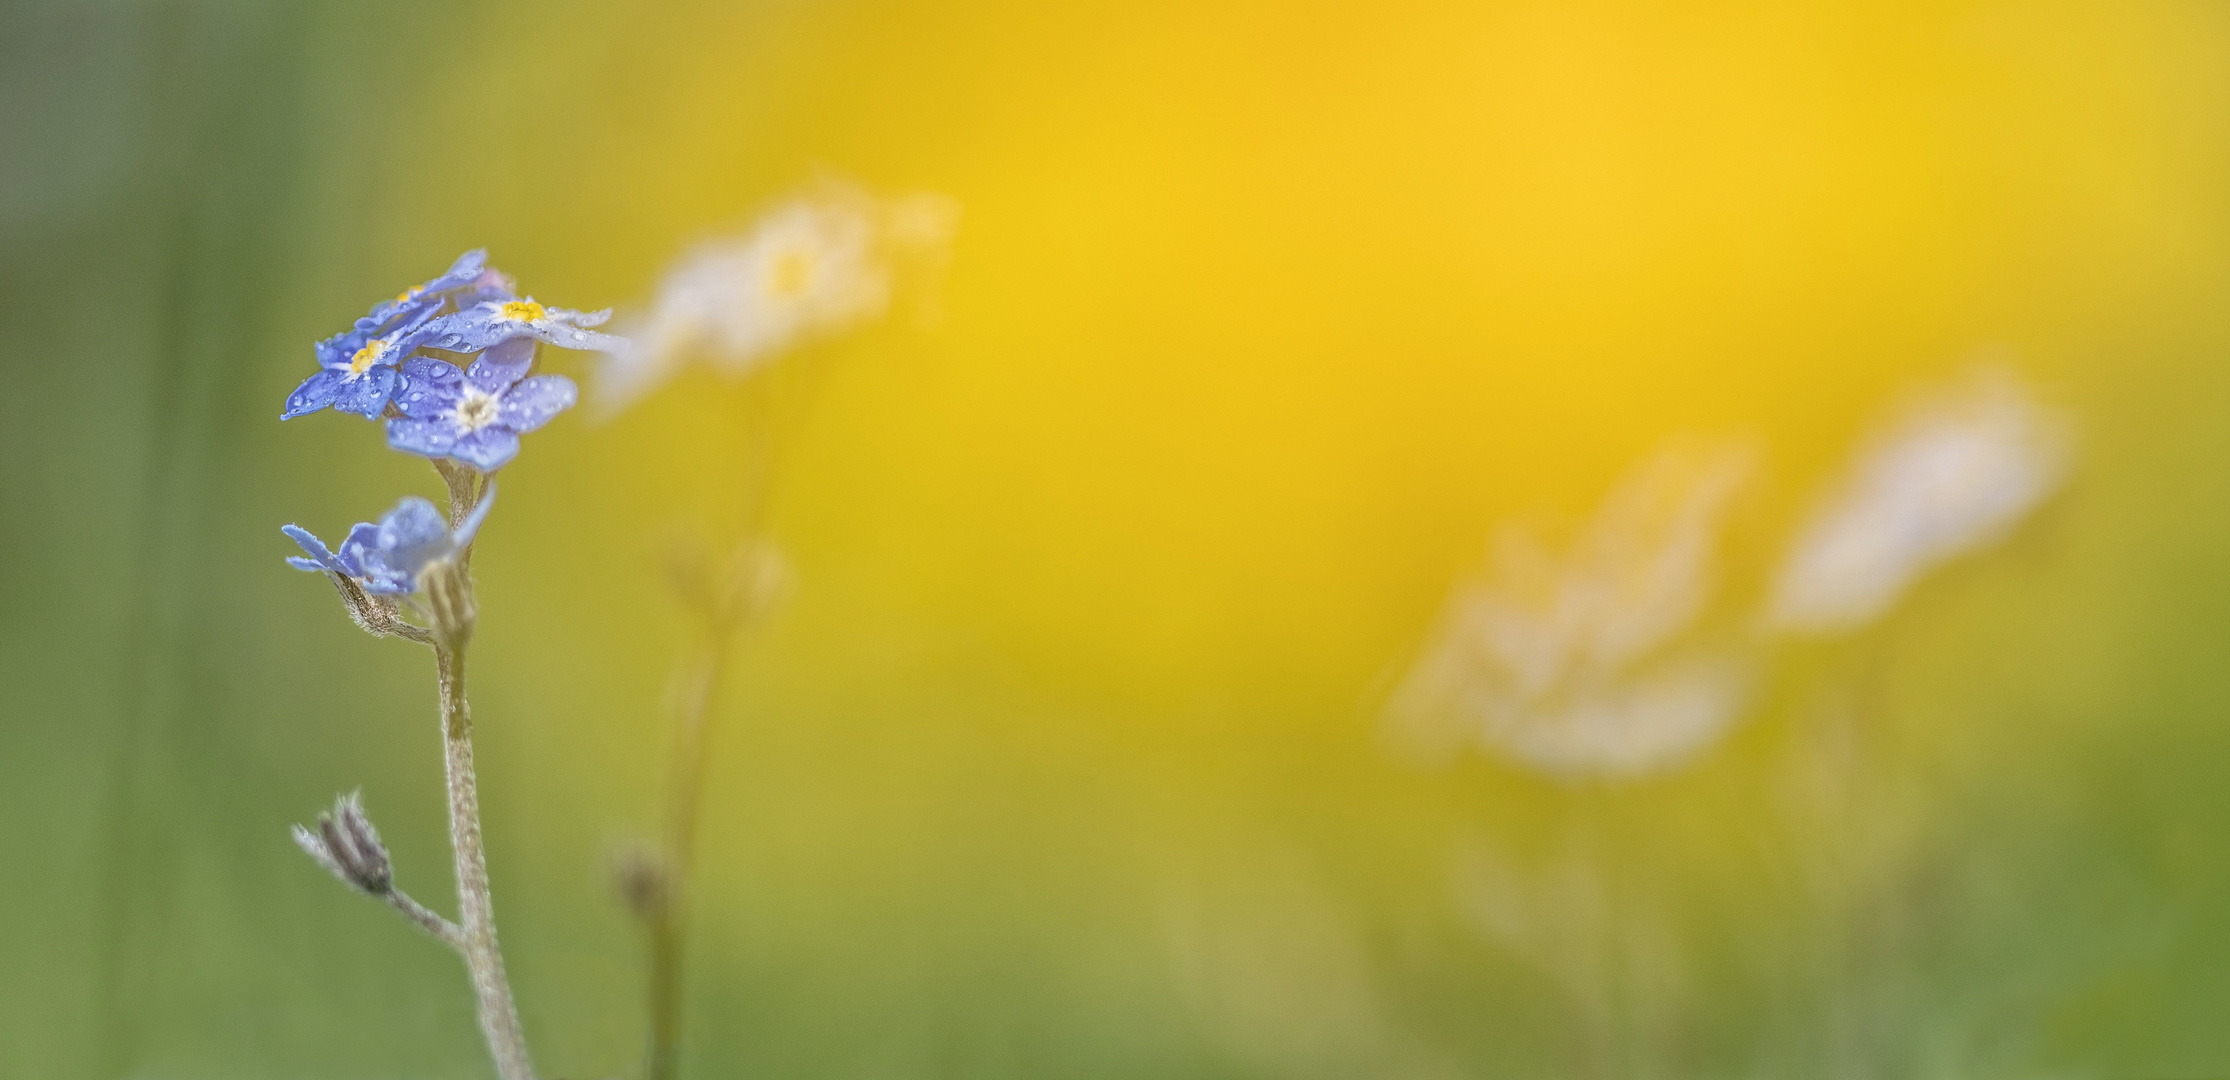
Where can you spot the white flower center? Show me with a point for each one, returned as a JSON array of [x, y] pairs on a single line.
[[476, 410]]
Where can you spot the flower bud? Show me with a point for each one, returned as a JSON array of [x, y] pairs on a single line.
[[445, 589], [346, 845]]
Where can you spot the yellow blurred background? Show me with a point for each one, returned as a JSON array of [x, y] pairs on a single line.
[[1067, 756]]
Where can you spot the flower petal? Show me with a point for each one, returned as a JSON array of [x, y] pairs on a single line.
[[431, 388], [533, 402], [338, 350], [502, 365], [360, 550], [366, 395], [487, 449], [583, 319], [413, 524], [467, 267], [570, 337], [391, 584], [430, 438], [320, 557], [316, 392], [475, 328], [300, 563]]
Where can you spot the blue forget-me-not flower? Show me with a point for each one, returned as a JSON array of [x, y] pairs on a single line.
[[386, 558], [357, 367], [470, 269], [471, 308], [477, 415], [497, 319]]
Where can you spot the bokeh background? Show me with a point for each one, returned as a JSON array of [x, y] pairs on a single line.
[[1067, 755]]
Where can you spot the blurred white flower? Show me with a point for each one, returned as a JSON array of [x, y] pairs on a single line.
[[810, 267], [1575, 665], [1954, 473]]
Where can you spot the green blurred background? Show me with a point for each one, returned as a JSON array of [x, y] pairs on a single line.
[[1065, 758]]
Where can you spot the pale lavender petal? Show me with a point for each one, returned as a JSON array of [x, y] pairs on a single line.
[[360, 549], [487, 449], [568, 337], [414, 522], [493, 284], [386, 581], [320, 557], [316, 392], [431, 388], [474, 329], [583, 319], [467, 267], [300, 563], [338, 350], [503, 364], [431, 438], [366, 395], [532, 403], [412, 332]]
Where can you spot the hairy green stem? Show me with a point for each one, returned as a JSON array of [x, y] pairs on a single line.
[[499, 1016]]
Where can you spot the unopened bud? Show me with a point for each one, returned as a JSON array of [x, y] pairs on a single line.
[[445, 588], [345, 844]]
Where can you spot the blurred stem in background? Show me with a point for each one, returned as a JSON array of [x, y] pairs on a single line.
[[728, 597], [657, 885]]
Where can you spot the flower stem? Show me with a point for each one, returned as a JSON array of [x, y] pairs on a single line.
[[668, 931], [499, 1017]]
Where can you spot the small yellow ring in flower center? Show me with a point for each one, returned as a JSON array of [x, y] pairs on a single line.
[[367, 356], [790, 273], [521, 311]]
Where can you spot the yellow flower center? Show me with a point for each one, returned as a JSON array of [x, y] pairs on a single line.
[[408, 294], [476, 411], [521, 311], [367, 356], [790, 273]]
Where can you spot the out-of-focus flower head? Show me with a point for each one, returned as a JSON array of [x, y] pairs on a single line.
[[808, 268], [476, 415], [386, 558], [1955, 472], [1575, 665]]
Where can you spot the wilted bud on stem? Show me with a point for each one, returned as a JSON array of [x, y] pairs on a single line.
[[345, 844], [446, 591]]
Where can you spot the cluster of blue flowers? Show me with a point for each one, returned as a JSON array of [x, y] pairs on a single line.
[[446, 364]]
